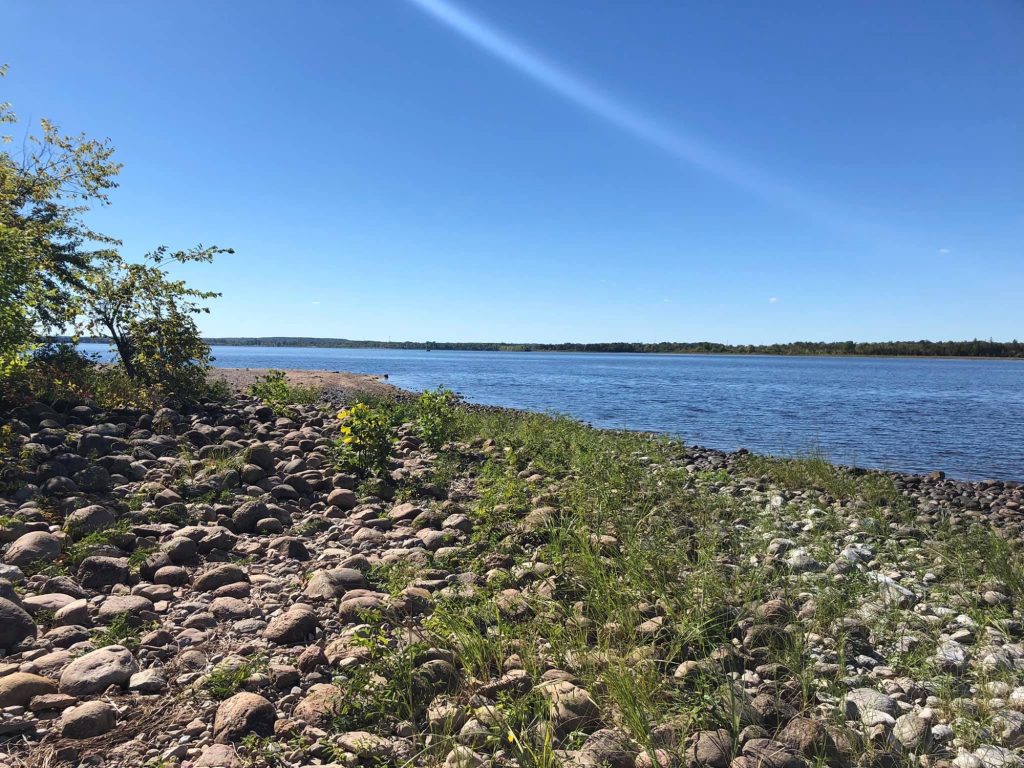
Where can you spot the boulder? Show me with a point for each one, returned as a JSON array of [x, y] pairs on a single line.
[[246, 517], [99, 572], [94, 718], [334, 583], [368, 746], [290, 547], [464, 757], [219, 576], [765, 753], [860, 701], [809, 737], [260, 455], [96, 671], [342, 498], [242, 714], [147, 681], [64, 585], [319, 705], [50, 602], [33, 547], [93, 478], [75, 613], [709, 749], [571, 708], [89, 519], [609, 749], [18, 688], [135, 608], [912, 732], [293, 626], [15, 624], [180, 550], [219, 756]]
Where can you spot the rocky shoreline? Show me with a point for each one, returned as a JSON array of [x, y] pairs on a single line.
[[202, 587]]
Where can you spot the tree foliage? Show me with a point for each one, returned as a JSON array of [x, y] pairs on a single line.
[[150, 317], [56, 272], [46, 249]]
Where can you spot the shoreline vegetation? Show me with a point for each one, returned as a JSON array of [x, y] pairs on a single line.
[[249, 569], [963, 349], [299, 571]]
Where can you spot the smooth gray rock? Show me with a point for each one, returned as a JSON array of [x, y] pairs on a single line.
[[94, 718], [96, 671], [33, 547], [15, 624]]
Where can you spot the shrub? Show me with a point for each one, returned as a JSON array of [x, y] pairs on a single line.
[[435, 416], [170, 353], [149, 317], [275, 390], [11, 464], [61, 372], [366, 438]]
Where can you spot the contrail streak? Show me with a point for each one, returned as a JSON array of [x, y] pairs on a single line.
[[591, 98]]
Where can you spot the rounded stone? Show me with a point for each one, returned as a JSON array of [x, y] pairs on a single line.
[[293, 626], [94, 718], [96, 671], [15, 624], [17, 689], [242, 714], [33, 547], [89, 519]]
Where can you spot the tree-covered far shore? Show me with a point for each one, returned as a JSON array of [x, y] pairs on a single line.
[[971, 348]]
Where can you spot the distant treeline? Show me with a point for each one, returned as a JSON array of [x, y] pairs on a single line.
[[972, 348]]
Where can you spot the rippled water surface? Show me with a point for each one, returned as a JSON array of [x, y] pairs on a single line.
[[965, 417]]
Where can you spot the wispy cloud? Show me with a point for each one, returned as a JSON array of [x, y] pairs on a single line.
[[315, 303], [943, 251], [773, 300]]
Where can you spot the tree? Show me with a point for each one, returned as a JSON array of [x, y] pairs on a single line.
[[46, 250], [16, 281], [150, 317]]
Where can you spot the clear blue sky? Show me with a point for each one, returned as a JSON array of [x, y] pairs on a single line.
[[578, 170]]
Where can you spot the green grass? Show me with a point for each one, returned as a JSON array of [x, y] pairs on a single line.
[[380, 688], [392, 577], [276, 391], [642, 565], [228, 678], [121, 630], [138, 557], [446, 467], [814, 471], [76, 550]]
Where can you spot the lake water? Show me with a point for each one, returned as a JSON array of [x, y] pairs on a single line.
[[965, 417]]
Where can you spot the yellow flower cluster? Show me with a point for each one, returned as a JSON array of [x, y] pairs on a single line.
[[347, 416]]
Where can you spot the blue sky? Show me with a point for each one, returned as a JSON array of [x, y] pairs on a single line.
[[579, 170]]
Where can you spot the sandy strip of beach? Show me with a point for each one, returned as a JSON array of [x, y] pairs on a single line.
[[240, 378]]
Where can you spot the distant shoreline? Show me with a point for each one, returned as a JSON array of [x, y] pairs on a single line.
[[968, 350], [645, 354]]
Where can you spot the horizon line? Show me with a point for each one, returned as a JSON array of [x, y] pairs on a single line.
[[216, 338]]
